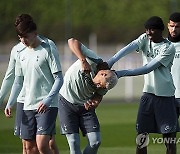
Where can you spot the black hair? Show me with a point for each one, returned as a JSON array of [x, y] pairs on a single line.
[[175, 17], [154, 22]]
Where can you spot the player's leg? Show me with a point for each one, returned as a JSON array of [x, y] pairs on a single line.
[[24, 146], [145, 122], [43, 144], [46, 125], [53, 146], [170, 143], [94, 141], [31, 146], [167, 120], [18, 120], [74, 143], [90, 128], [69, 122], [28, 131]]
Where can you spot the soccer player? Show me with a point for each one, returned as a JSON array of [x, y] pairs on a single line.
[[174, 37], [157, 110], [38, 70], [6, 86], [81, 92]]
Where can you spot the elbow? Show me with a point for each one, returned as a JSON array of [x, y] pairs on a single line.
[[73, 43], [70, 41]]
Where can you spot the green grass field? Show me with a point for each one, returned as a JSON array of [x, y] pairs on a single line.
[[117, 130]]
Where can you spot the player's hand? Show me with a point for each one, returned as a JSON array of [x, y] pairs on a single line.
[[91, 104], [42, 108], [7, 112], [85, 66], [88, 105]]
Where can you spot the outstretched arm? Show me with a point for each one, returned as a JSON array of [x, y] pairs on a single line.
[[152, 65], [123, 52]]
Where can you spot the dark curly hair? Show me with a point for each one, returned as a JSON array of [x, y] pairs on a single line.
[[24, 24]]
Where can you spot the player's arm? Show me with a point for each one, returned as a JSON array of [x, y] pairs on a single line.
[[75, 47], [8, 78], [123, 52], [45, 103], [16, 88], [82, 52], [152, 65]]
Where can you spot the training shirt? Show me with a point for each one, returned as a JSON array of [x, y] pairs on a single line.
[[10, 74], [37, 66], [159, 81], [78, 86], [175, 70]]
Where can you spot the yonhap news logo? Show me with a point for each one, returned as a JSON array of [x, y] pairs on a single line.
[[142, 140]]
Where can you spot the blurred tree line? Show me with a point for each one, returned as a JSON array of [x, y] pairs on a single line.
[[111, 20]]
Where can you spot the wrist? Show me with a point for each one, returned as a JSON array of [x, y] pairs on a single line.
[[83, 60]]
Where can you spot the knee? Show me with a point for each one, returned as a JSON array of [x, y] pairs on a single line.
[[30, 146], [52, 144], [95, 144]]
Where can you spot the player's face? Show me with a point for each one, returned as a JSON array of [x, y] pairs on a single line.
[[101, 78], [154, 34], [174, 29], [29, 39]]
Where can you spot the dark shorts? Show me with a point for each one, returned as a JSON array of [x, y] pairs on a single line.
[[157, 115], [74, 117], [18, 120], [34, 123], [178, 106]]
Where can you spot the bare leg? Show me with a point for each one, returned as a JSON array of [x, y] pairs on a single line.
[[24, 146], [43, 144], [31, 147], [53, 146]]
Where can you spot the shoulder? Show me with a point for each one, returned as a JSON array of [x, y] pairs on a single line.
[[168, 47], [143, 36], [18, 47], [47, 43]]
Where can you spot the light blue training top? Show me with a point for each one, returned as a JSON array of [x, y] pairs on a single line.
[[78, 86], [40, 70], [157, 62]]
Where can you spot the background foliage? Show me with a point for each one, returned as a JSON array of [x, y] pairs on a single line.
[[112, 21]]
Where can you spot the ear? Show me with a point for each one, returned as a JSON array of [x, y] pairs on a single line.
[[35, 32], [98, 85]]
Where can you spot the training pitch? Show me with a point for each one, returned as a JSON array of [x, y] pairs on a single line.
[[117, 131]]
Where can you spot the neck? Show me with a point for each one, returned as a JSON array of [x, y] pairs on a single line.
[[158, 40], [36, 43]]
